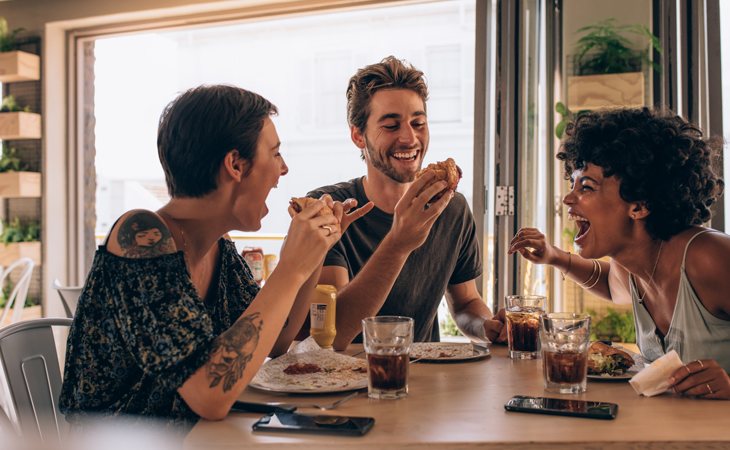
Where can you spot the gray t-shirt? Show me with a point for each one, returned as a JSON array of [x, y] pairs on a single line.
[[450, 255]]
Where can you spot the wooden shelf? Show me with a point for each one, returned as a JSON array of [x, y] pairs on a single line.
[[606, 91], [20, 125], [20, 184], [19, 66], [15, 250]]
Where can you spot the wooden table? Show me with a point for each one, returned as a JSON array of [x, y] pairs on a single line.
[[461, 406]]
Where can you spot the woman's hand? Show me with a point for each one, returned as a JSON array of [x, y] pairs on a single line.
[[308, 239], [703, 379], [343, 214], [532, 245]]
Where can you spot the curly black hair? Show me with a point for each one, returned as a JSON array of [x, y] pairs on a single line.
[[659, 158]]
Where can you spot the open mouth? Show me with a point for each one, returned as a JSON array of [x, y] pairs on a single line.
[[583, 226], [408, 156]]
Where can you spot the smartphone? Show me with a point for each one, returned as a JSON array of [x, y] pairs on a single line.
[[562, 407], [303, 423]]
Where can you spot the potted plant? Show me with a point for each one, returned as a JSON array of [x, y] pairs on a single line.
[[608, 69], [18, 122], [15, 180], [15, 65], [20, 239]]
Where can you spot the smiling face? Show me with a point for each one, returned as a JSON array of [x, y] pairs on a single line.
[[604, 220], [268, 166], [396, 136]]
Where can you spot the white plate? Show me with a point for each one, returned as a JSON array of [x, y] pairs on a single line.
[[339, 373], [626, 376], [447, 351]]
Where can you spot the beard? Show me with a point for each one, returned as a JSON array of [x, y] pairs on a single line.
[[383, 165]]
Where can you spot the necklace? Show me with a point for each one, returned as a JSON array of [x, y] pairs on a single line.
[[653, 271]]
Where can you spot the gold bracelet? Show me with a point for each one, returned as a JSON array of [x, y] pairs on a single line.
[[567, 271], [597, 278], [590, 277]]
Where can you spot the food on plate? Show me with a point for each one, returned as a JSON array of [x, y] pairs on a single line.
[[299, 203], [444, 170], [301, 368], [607, 360], [312, 371]]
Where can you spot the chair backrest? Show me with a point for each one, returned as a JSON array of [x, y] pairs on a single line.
[[69, 296], [19, 292], [33, 374]]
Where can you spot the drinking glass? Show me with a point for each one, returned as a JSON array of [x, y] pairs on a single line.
[[523, 314], [565, 338], [387, 341]]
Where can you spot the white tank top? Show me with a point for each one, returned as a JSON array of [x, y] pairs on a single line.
[[693, 332]]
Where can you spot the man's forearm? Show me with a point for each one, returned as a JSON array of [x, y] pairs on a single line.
[[365, 294]]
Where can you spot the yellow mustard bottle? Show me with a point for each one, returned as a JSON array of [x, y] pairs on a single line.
[[322, 315]]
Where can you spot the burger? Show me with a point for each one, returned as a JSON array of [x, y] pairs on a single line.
[[445, 170], [299, 203], [607, 360]]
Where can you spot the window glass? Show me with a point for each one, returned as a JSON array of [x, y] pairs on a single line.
[[302, 64]]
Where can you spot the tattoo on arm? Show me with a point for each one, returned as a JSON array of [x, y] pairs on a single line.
[[144, 235], [234, 348]]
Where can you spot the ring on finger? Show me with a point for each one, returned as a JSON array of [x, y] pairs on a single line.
[[700, 363], [328, 228], [689, 372], [710, 391]]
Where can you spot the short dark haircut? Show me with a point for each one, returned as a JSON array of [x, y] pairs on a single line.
[[390, 73], [659, 158], [200, 127]]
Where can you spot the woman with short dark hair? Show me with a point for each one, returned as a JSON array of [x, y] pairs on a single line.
[[171, 323], [642, 185]]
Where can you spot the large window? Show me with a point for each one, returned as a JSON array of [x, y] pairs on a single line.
[[302, 64]]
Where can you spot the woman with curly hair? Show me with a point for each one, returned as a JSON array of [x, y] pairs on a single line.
[[642, 184]]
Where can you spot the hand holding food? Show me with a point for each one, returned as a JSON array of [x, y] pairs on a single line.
[[445, 171], [299, 203]]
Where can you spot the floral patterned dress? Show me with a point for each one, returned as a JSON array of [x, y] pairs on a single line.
[[141, 330]]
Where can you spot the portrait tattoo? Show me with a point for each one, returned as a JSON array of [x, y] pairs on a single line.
[[144, 235], [235, 348]]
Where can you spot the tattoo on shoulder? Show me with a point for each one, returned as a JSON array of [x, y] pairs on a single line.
[[234, 348], [144, 235]]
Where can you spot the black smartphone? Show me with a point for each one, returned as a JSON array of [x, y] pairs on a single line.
[[303, 423], [562, 407]]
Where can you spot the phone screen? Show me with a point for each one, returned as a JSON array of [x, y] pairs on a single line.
[[289, 421], [563, 407]]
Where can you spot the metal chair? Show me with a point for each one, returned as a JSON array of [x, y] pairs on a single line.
[[69, 296], [33, 375], [19, 292]]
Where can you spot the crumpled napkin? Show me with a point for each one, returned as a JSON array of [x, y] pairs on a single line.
[[307, 345], [654, 379]]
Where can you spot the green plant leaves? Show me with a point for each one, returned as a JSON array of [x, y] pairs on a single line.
[[605, 49], [10, 105], [8, 161], [8, 37], [17, 231], [614, 326]]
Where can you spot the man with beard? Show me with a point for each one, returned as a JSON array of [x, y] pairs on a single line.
[[410, 249]]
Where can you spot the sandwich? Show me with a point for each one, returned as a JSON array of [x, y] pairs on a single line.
[[444, 170], [606, 360], [299, 203]]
